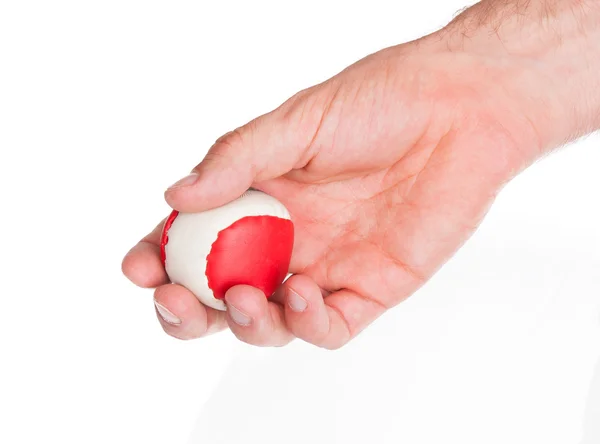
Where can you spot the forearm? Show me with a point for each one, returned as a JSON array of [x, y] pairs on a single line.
[[557, 44]]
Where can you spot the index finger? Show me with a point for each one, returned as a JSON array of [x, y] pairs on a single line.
[[142, 265]]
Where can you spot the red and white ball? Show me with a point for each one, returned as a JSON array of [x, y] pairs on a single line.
[[247, 241]]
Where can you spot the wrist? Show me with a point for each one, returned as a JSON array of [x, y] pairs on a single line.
[[551, 51]]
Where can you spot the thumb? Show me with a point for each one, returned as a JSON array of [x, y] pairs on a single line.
[[265, 148]]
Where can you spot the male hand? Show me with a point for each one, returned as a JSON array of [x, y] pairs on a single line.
[[386, 169]]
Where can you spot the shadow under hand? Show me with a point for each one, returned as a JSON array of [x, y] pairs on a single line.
[[591, 425]]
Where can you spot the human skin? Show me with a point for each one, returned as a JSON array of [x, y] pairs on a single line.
[[389, 167]]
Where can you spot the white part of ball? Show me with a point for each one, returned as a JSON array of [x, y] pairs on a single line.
[[191, 236]]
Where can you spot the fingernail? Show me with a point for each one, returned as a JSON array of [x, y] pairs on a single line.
[[238, 317], [296, 302], [166, 315], [186, 181]]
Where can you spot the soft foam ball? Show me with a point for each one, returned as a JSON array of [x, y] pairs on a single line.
[[247, 241]]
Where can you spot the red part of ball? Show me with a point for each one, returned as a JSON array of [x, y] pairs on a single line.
[[164, 238], [255, 251]]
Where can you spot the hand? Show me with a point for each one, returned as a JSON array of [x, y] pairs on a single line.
[[386, 169]]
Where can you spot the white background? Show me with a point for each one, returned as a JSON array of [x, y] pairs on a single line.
[[104, 104]]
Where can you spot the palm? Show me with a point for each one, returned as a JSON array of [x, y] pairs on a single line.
[[387, 200]]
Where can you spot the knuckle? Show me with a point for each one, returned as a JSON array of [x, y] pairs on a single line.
[[231, 141], [216, 153], [225, 149]]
